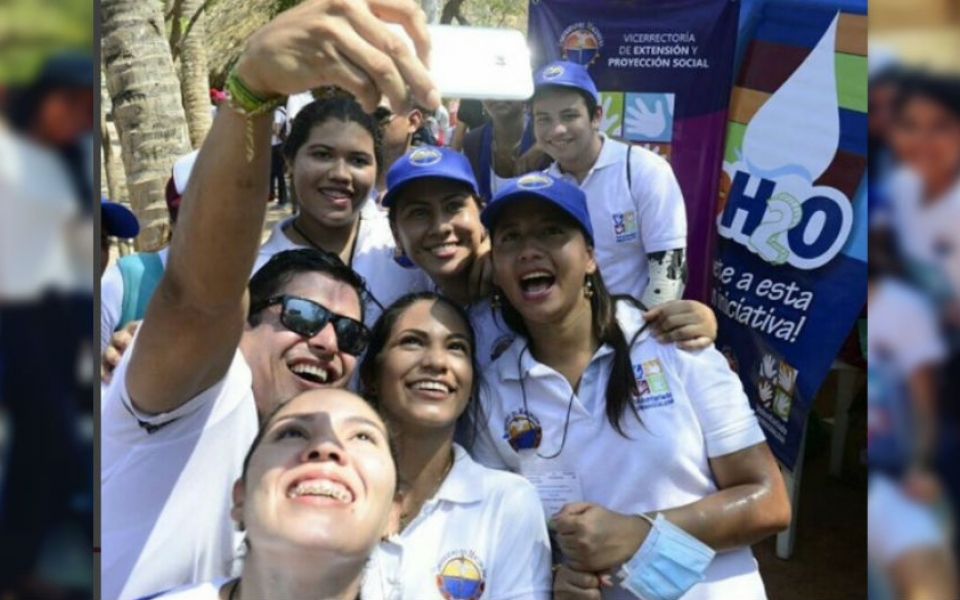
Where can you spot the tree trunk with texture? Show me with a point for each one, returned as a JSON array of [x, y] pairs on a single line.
[[194, 72], [147, 109], [114, 182]]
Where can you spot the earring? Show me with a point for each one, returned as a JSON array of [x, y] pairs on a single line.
[[588, 288], [240, 526], [495, 302]]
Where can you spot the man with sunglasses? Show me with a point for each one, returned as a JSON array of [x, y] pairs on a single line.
[[184, 404], [170, 457]]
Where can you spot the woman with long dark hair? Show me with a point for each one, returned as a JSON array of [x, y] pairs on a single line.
[[465, 531], [646, 457]]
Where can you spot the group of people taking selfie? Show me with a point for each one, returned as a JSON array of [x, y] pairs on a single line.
[[430, 382]]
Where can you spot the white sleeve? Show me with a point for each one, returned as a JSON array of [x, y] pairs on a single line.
[[111, 303], [660, 208], [123, 423], [726, 418], [522, 570]]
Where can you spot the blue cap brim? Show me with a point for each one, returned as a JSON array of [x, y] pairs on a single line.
[[494, 210], [118, 221], [390, 198]]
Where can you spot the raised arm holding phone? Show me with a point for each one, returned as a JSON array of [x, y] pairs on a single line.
[[185, 403]]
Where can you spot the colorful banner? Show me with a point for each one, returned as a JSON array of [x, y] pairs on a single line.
[[664, 69], [789, 277]]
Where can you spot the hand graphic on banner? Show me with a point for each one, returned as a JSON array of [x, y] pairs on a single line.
[[766, 393], [768, 369], [642, 121], [788, 378]]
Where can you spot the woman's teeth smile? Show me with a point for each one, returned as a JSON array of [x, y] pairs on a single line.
[[444, 250]]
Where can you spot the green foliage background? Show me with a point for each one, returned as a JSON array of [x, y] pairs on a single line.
[[30, 30]]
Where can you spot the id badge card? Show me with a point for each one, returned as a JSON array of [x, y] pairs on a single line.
[[556, 483]]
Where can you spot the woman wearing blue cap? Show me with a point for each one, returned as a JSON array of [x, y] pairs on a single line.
[[434, 212], [649, 459], [636, 206]]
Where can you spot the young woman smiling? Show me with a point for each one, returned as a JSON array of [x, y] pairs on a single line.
[[314, 499], [434, 210], [466, 531], [334, 153]]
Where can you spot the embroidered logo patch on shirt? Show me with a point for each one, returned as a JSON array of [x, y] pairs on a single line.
[[652, 384], [460, 576], [522, 430], [625, 226]]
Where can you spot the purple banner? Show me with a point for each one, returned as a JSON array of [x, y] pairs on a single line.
[[664, 70]]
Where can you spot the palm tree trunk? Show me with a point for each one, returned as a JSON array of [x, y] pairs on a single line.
[[194, 73], [111, 165], [147, 110]]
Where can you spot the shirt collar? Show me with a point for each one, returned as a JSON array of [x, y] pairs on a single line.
[[629, 316], [610, 154], [464, 483]]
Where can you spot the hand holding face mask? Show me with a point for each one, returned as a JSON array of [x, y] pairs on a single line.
[[594, 539]]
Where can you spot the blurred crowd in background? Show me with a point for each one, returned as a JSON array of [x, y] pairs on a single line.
[[914, 302], [46, 300]]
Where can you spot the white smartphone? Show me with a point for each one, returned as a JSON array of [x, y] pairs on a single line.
[[478, 62]]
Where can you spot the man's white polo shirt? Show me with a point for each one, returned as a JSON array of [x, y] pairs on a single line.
[[165, 485], [482, 536], [693, 409], [373, 260], [628, 224]]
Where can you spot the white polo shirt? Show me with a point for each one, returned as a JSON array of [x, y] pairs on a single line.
[[165, 485], [483, 536], [372, 260], [927, 231], [493, 336], [693, 409], [628, 224], [37, 207]]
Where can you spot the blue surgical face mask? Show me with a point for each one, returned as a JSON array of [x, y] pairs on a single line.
[[668, 564]]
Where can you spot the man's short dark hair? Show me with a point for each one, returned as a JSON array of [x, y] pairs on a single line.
[[284, 266]]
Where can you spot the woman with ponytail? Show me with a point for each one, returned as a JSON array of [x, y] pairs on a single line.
[[649, 458]]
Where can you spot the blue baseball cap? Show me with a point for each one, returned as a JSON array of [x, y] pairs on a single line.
[[117, 220], [565, 196], [428, 161], [565, 74], [68, 68]]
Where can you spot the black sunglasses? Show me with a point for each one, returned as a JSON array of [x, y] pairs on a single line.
[[307, 318]]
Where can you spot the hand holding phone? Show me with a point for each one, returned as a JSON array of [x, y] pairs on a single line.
[[478, 62]]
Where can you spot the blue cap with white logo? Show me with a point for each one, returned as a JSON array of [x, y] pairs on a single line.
[[565, 196], [428, 161], [565, 74]]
